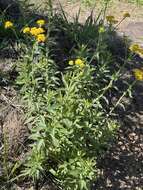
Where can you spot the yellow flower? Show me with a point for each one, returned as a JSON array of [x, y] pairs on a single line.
[[71, 62], [36, 31], [77, 62], [140, 51], [40, 22], [101, 29], [26, 30], [138, 73], [40, 30], [125, 15], [41, 38], [134, 48], [111, 19], [8, 24], [80, 63], [33, 31]]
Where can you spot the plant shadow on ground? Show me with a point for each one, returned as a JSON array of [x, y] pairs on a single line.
[[121, 166]]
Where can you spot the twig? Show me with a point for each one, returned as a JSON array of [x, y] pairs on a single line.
[[7, 101]]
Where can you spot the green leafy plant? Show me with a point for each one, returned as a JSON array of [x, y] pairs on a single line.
[[70, 127], [67, 106]]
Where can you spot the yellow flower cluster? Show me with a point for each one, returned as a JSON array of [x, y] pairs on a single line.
[[125, 15], [138, 73], [37, 32], [111, 19], [8, 24], [136, 48], [41, 38], [77, 62]]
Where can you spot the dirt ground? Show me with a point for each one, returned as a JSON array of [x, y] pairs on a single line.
[[132, 26], [122, 166]]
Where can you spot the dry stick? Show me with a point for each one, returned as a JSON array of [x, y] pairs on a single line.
[[7, 101], [110, 83], [115, 28]]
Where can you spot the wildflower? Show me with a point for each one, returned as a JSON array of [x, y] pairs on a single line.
[[111, 19], [140, 51], [101, 29], [33, 31], [125, 15], [41, 38], [138, 73], [71, 62], [40, 22], [80, 63], [36, 31], [8, 24], [134, 47], [26, 30], [40, 30]]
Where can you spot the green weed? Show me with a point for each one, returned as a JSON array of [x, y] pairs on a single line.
[[67, 100]]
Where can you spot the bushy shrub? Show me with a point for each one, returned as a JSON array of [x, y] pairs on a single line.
[[70, 123], [66, 91]]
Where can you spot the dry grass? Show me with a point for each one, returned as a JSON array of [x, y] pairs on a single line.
[[116, 8]]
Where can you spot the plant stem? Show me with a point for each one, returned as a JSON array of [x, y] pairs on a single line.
[[120, 99]]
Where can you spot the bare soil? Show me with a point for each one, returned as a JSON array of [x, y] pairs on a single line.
[[122, 166], [132, 27]]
